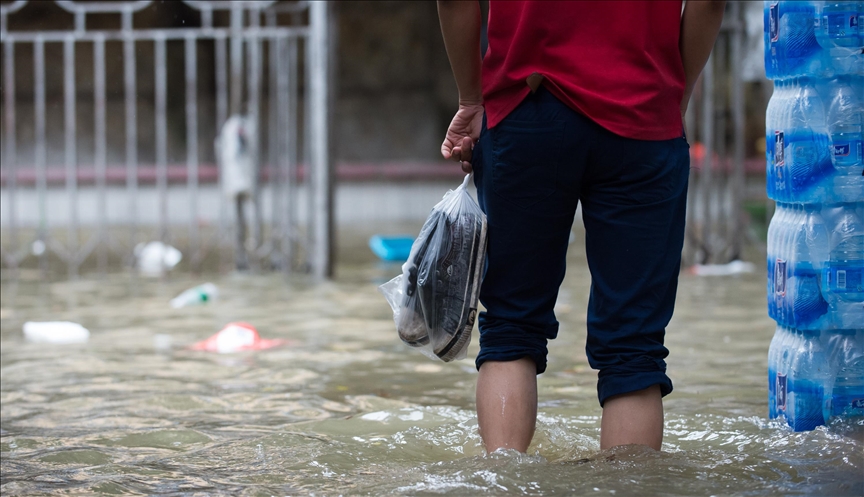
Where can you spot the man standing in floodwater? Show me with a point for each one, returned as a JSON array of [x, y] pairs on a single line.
[[578, 101]]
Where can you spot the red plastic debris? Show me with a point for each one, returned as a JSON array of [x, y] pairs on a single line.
[[236, 337]]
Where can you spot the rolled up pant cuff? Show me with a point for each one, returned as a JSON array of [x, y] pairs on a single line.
[[621, 383]]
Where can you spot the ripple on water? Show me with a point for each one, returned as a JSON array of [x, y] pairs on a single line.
[[346, 409]]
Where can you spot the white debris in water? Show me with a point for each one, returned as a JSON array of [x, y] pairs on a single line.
[[56, 332], [412, 416], [428, 368], [375, 416]]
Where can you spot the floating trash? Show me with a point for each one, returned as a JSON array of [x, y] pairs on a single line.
[[155, 258], [196, 295], [391, 248], [56, 332], [734, 267], [236, 337]]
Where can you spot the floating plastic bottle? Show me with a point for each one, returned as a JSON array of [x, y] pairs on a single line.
[[197, 295]]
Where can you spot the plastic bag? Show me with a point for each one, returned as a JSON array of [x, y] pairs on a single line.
[[434, 300]]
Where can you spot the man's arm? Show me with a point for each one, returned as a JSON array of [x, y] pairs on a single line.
[[700, 25], [460, 25]]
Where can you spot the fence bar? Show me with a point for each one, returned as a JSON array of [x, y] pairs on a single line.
[[221, 68], [253, 49], [40, 159], [10, 160], [192, 145], [273, 141], [236, 59], [707, 139], [71, 153], [149, 34], [720, 177], [318, 67], [100, 148], [294, 135], [161, 103], [738, 120], [293, 129], [131, 137], [206, 17], [221, 76]]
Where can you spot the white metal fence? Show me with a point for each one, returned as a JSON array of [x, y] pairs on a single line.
[[275, 73]]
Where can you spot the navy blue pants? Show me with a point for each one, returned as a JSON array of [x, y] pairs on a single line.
[[531, 170]]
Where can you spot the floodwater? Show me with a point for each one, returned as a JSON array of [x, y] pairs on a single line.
[[346, 409]]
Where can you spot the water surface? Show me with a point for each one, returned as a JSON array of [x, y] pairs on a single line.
[[345, 408]]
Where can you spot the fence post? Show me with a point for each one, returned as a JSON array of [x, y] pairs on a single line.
[[322, 215]]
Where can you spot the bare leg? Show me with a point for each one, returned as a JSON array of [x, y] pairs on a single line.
[[507, 404], [633, 418]]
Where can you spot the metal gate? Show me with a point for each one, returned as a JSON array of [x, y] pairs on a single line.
[[274, 73]]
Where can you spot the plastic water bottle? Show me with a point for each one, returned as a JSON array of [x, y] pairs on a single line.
[[810, 252], [778, 188], [837, 30], [775, 352], [197, 295], [844, 126], [775, 262], [844, 276], [789, 347], [808, 404], [836, 24], [844, 118], [777, 110], [790, 39], [770, 259], [847, 359], [799, 48], [807, 153]]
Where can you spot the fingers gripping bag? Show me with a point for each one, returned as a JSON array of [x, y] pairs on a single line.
[[434, 300]]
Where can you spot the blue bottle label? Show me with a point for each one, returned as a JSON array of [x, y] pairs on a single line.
[[844, 278], [781, 392], [780, 277], [841, 24], [779, 162], [779, 148], [774, 22], [847, 405], [841, 149]]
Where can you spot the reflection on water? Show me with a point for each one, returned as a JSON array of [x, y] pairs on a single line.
[[347, 409]]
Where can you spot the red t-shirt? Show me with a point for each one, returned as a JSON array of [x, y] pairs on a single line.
[[616, 62]]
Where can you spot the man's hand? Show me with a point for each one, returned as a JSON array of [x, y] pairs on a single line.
[[463, 133], [460, 25]]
